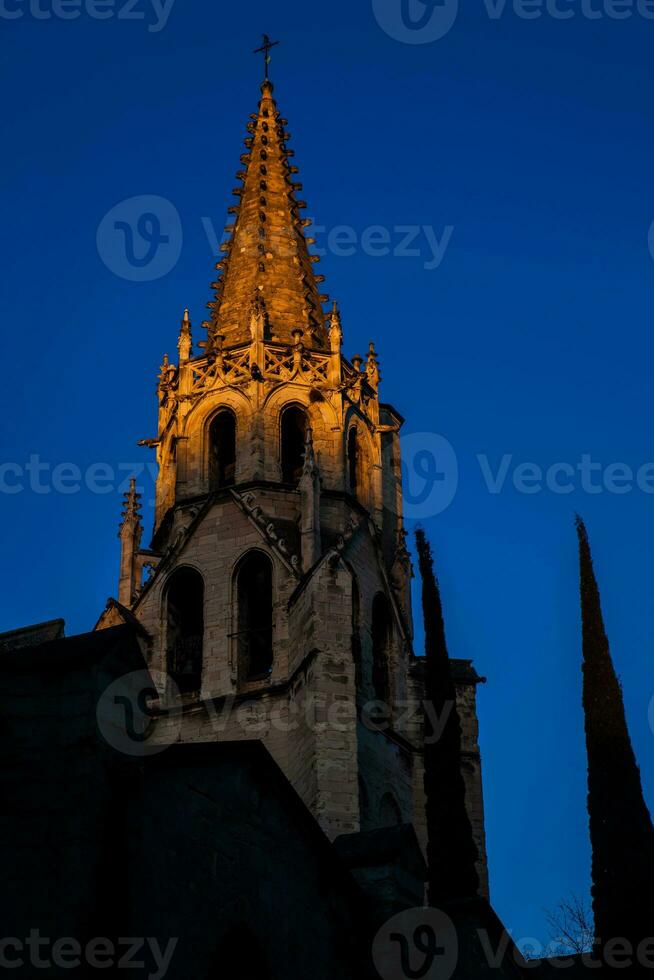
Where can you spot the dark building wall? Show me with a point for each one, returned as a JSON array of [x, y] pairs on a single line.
[[201, 843], [58, 776], [224, 846], [206, 845]]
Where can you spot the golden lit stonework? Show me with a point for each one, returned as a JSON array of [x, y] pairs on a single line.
[[278, 573]]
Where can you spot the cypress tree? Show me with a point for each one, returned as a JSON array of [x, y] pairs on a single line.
[[451, 850], [621, 832]]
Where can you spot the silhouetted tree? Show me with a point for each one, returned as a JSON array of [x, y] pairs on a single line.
[[621, 832], [571, 927], [451, 850]]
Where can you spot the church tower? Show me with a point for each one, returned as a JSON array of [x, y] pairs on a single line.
[[278, 596]]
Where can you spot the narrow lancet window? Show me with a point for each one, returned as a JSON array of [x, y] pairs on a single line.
[[185, 628], [222, 451], [293, 437], [255, 617]]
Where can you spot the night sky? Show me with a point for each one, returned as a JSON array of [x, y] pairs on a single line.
[[512, 159]]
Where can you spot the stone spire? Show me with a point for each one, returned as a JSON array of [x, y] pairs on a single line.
[[335, 330], [372, 368], [185, 343], [130, 533], [267, 251]]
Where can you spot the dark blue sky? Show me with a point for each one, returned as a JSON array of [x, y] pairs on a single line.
[[532, 139]]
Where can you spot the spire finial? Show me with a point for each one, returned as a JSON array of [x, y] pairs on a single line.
[[267, 243], [130, 532], [335, 331], [185, 342], [265, 50], [309, 467], [131, 505], [373, 367]]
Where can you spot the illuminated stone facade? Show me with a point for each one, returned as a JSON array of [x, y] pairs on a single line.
[[277, 588]]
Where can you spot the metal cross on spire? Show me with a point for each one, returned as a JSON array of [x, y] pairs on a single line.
[[265, 50]]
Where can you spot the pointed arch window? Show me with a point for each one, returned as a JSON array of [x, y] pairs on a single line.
[[222, 450], [254, 603], [184, 611], [381, 646], [292, 440]]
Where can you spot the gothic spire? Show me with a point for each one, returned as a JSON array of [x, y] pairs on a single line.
[[372, 368], [621, 832], [131, 506], [185, 343], [335, 329], [130, 533], [451, 850], [267, 251]]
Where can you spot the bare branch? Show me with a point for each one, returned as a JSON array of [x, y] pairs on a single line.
[[571, 927]]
